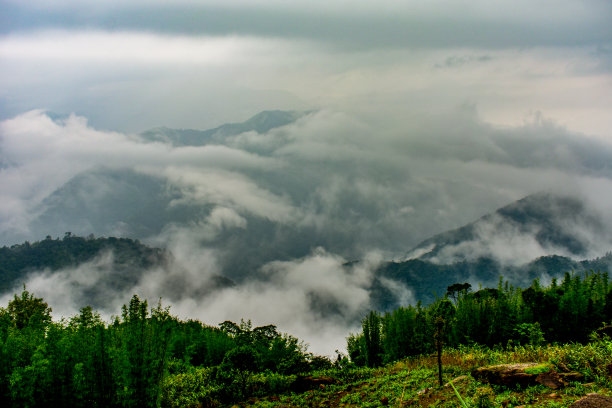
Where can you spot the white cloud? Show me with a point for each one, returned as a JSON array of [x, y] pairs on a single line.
[[388, 159], [317, 298], [229, 189], [110, 48], [41, 155]]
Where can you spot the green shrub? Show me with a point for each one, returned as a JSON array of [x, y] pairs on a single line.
[[270, 383], [190, 389]]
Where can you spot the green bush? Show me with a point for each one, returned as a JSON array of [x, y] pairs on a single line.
[[190, 389], [270, 383]]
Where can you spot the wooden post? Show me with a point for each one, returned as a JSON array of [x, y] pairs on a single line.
[[439, 330]]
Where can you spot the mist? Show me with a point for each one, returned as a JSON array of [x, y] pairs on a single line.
[[284, 213], [411, 119]]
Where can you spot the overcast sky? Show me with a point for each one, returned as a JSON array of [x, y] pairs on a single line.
[[133, 65], [428, 115]]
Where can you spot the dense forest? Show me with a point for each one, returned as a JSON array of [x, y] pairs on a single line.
[[429, 280], [140, 359], [148, 357], [566, 311], [130, 258]]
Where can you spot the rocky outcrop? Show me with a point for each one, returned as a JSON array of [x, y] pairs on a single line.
[[509, 375], [593, 401], [524, 375], [305, 383]]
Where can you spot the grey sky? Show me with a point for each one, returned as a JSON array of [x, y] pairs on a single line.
[[355, 24], [429, 114], [202, 63]]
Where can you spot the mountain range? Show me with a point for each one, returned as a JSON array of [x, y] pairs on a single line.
[[260, 123], [543, 220], [246, 210], [427, 279], [483, 251]]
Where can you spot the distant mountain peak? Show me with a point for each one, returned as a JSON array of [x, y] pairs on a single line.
[[261, 123], [269, 119], [537, 225]]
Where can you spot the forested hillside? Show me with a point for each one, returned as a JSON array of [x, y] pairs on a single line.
[[429, 280], [130, 258], [136, 360], [147, 357], [566, 311]]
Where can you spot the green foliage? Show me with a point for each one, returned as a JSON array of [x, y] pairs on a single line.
[[372, 341], [193, 388], [502, 316], [28, 311], [539, 369], [145, 358], [463, 404], [412, 382], [529, 333], [130, 257]]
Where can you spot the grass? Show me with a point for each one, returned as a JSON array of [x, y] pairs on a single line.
[[463, 404], [540, 368], [413, 382]]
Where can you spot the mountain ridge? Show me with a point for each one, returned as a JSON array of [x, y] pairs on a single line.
[[544, 217], [261, 123]]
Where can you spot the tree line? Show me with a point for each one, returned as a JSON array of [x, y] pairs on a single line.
[[146, 357], [130, 257], [136, 360], [566, 311]]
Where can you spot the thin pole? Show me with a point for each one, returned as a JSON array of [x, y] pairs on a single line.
[[439, 328]]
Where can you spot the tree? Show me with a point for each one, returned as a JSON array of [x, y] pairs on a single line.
[[144, 343], [29, 311], [237, 367], [456, 290], [371, 326]]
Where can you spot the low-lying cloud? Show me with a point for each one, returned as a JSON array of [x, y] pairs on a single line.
[[284, 213], [352, 184], [424, 116], [319, 298]]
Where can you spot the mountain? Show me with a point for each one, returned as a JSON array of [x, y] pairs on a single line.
[[97, 269], [111, 202], [542, 220], [238, 201], [93, 267], [537, 225], [261, 123], [126, 203], [130, 203], [541, 236]]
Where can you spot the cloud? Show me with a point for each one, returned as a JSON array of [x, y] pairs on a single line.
[[427, 116], [358, 187], [357, 24], [318, 298], [506, 243], [110, 48], [202, 64], [40, 155], [341, 180], [229, 189], [457, 61]]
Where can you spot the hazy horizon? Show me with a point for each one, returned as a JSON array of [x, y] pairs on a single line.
[[424, 116]]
